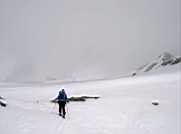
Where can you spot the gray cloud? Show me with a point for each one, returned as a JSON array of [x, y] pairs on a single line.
[[67, 39]]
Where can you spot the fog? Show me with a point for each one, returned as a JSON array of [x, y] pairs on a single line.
[[84, 39]]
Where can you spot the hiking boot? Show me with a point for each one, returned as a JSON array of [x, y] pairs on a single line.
[[63, 116]]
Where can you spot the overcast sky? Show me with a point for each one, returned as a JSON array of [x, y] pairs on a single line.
[[64, 39]]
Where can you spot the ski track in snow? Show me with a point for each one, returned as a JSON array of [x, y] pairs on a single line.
[[125, 107]]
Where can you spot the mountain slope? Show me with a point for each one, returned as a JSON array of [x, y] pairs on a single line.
[[166, 59], [125, 107]]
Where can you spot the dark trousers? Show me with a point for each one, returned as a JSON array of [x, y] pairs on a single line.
[[62, 107]]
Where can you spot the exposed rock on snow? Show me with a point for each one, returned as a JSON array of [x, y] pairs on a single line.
[[1, 97], [79, 98], [3, 103], [163, 60], [82, 98], [155, 102]]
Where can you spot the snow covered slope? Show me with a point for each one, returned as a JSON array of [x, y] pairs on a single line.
[[125, 107], [164, 60]]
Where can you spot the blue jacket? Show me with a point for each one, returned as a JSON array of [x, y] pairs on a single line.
[[62, 96]]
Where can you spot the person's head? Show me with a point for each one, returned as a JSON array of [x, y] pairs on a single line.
[[63, 90]]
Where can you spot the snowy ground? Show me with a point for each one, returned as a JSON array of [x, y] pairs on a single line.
[[125, 107]]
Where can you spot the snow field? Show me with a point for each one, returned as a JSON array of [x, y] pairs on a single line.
[[125, 107]]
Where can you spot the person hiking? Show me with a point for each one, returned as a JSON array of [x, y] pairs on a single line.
[[62, 99]]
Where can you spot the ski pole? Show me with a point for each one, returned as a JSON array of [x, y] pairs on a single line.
[[67, 111], [53, 107]]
